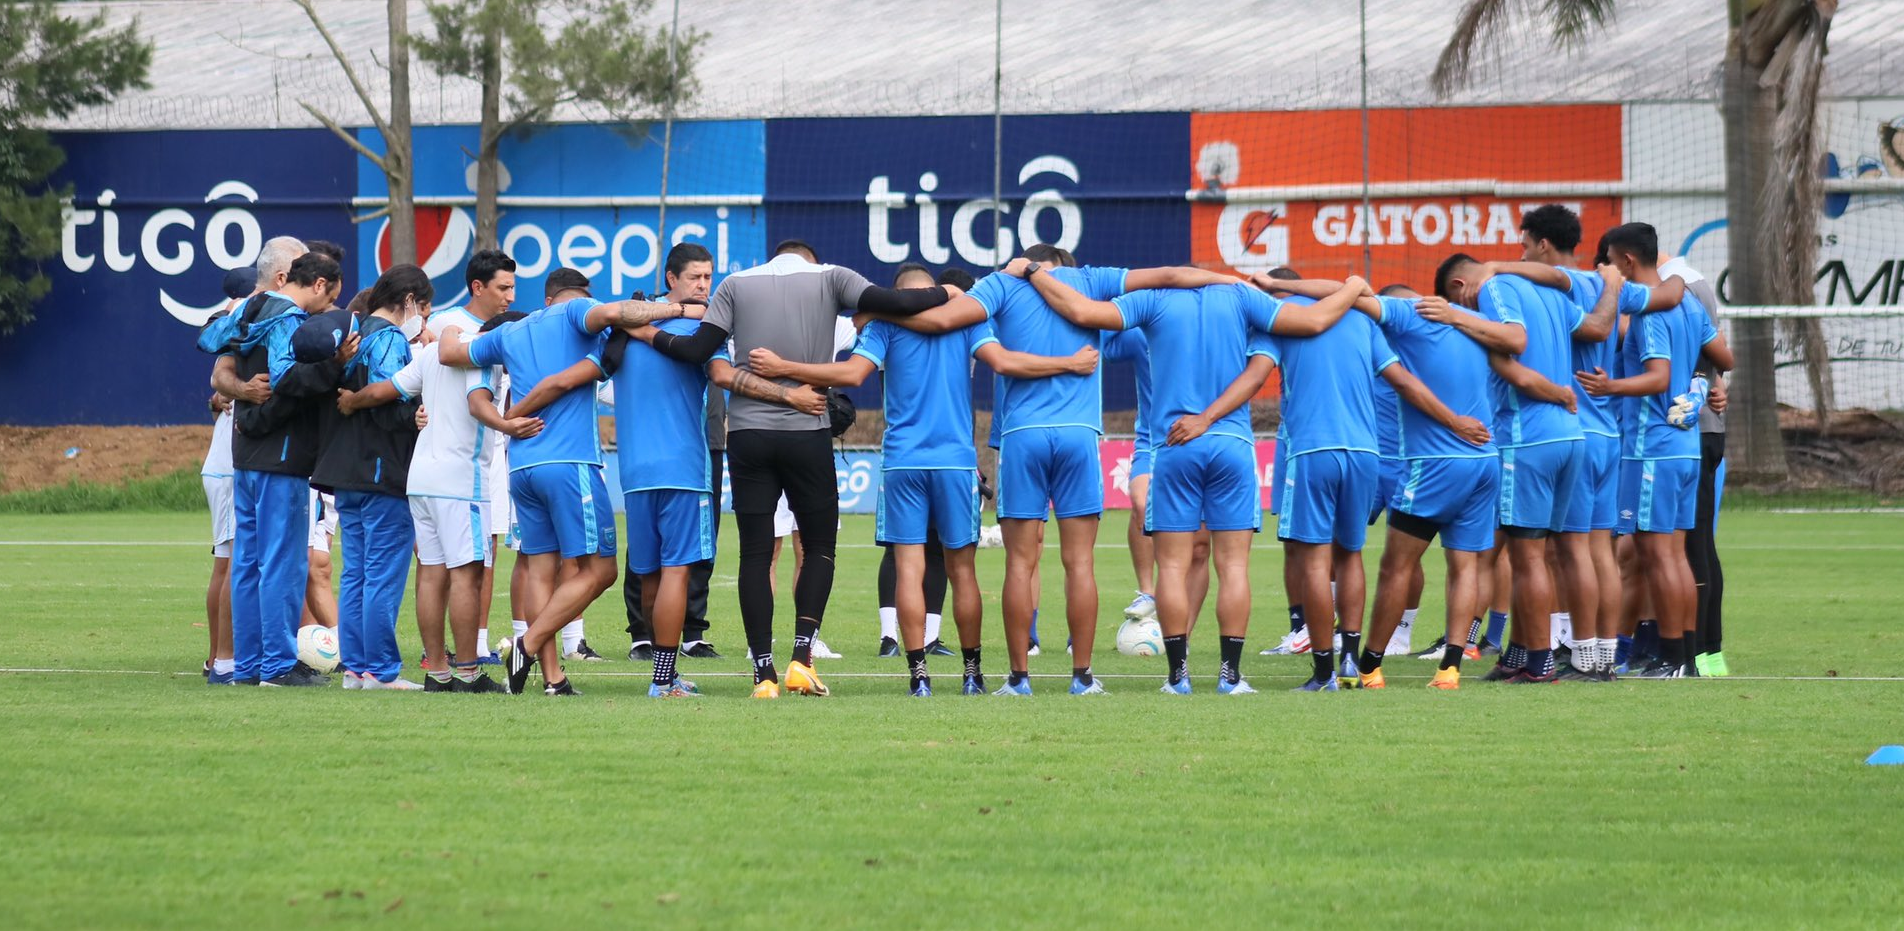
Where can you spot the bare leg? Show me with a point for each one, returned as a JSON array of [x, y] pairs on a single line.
[[218, 609], [1077, 538], [909, 593], [1582, 584], [432, 599], [968, 606], [1199, 583], [1024, 546], [487, 593], [1308, 564], [1233, 585], [1401, 565], [1533, 592], [1351, 591], [465, 609], [591, 576], [1606, 573], [320, 602], [1173, 576], [668, 606], [1143, 553]]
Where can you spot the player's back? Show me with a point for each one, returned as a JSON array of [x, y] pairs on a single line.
[[1201, 338], [1549, 318], [661, 416], [1130, 346], [928, 394], [1023, 322], [1677, 335], [534, 348], [1453, 366], [1328, 385]]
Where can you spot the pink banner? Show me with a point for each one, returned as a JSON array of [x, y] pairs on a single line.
[[1114, 458]]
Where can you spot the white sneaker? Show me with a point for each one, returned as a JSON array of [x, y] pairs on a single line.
[[822, 651], [1033, 651], [1142, 608], [372, 683], [353, 680], [1294, 643]]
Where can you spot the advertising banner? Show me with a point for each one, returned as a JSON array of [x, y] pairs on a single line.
[[1114, 457]]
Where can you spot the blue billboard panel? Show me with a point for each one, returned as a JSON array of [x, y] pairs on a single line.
[[582, 196], [157, 218], [873, 193]]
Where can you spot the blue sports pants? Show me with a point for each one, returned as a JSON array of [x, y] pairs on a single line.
[[271, 515], [378, 538]]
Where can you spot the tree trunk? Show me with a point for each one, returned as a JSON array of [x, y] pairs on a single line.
[[488, 162], [1754, 447], [399, 169]]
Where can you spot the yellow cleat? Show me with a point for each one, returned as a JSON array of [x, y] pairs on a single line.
[[766, 688], [803, 680], [1446, 679], [1374, 680]]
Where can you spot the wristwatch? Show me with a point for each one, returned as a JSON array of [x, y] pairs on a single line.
[[1031, 270]]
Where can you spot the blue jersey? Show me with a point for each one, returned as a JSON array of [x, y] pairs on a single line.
[[928, 394], [1202, 338], [533, 348], [1328, 390], [1023, 322], [1549, 317], [661, 416], [1678, 336], [1130, 346], [1452, 366], [1388, 426], [1601, 416]]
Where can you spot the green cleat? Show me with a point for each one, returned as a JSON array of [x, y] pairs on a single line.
[[1699, 663], [1715, 665]]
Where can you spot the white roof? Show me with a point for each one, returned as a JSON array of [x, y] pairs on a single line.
[[247, 63]]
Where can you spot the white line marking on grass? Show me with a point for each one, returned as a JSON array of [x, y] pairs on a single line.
[[712, 674]]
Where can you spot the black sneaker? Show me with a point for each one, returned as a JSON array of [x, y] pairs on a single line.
[[564, 687], [938, 648], [299, 676], [311, 671], [481, 685], [1659, 669], [516, 663], [888, 647], [584, 653], [1501, 673], [641, 652], [1568, 673], [1434, 650], [433, 684], [1490, 648], [701, 649]]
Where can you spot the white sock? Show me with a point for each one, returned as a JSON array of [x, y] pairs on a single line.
[[224, 666], [572, 635], [889, 623], [1609, 652], [1404, 634], [482, 642], [933, 622], [1559, 628], [520, 628]]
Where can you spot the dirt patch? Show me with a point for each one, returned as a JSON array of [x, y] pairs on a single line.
[[36, 457]]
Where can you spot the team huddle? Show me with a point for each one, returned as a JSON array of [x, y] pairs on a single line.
[[1527, 408]]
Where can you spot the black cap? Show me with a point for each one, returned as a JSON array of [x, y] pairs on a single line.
[[240, 282], [507, 316]]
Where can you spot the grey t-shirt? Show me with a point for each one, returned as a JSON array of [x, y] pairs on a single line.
[[787, 305], [1677, 266]]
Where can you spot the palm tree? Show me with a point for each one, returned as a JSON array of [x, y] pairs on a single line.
[[1774, 68]]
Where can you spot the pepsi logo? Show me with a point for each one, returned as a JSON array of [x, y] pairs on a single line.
[[445, 237]]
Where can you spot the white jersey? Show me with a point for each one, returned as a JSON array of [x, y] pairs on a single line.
[[218, 455], [453, 451]]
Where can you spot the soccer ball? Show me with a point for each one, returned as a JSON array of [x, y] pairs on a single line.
[[317, 647], [1142, 637]]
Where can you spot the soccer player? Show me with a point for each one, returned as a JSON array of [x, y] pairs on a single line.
[[929, 472], [1659, 481], [788, 305], [274, 445], [1542, 449], [1048, 459], [556, 475], [1701, 547]]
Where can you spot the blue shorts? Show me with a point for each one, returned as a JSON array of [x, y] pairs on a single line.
[[1049, 469], [1143, 462], [1595, 504], [668, 527], [1658, 495], [563, 506], [1388, 477], [1457, 496], [1278, 470], [1326, 497], [1537, 484], [1208, 482], [914, 501]]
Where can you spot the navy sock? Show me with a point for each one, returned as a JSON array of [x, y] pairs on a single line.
[[1540, 662], [1177, 657], [1231, 670], [1081, 674], [1515, 657], [1296, 620], [664, 664]]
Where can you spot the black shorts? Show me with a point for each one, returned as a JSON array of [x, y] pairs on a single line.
[[764, 464]]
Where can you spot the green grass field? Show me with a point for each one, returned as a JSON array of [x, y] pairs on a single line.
[[136, 796]]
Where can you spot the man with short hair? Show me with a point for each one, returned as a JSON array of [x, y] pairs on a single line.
[[1701, 545]]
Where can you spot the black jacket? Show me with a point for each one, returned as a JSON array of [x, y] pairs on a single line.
[[369, 450], [279, 435]]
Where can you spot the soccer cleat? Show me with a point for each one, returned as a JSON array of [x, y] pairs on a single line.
[[1501, 673], [1179, 687], [1434, 649], [1447, 680], [1373, 680], [564, 687], [481, 685], [699, 649], [252, 681], [1571, 673], [922, 690], [433, 684], [583, 652], [1034, 649], [373, 684], [1715, 665], [515, 664], [219, 678], [822, 651], [1318, 685], [1142, 608], [1470, 652], [938, 648], [1239, 687], [679, 688], [308, 670], [297, 676], [801, 679], [1095, 688], [1659, 669], [1524, 677], [766, 688], [641, 652], [1350, 675], [352, 680], [974, 685], [888, 647], [1022, 688], [1294, 643], [1489, 648]]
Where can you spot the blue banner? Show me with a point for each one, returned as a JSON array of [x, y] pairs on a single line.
[[157, 219], [592, 195]]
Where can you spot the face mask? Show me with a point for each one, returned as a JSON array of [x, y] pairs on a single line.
[[412, 328]]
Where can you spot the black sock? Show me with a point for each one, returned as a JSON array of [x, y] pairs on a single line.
[[1018, 677], [803, 633], [971, 660], [764, 669], [1371, 660], [664, 664], [1177, 657], [1296, 621], [1474, 633], [1232, 649], [916, 666], [1351, 643], [1325, 663], [1451, 655], [1081, 674], [1672, 650]]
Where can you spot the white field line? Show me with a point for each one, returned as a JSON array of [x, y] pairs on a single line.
[[711, 674]]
